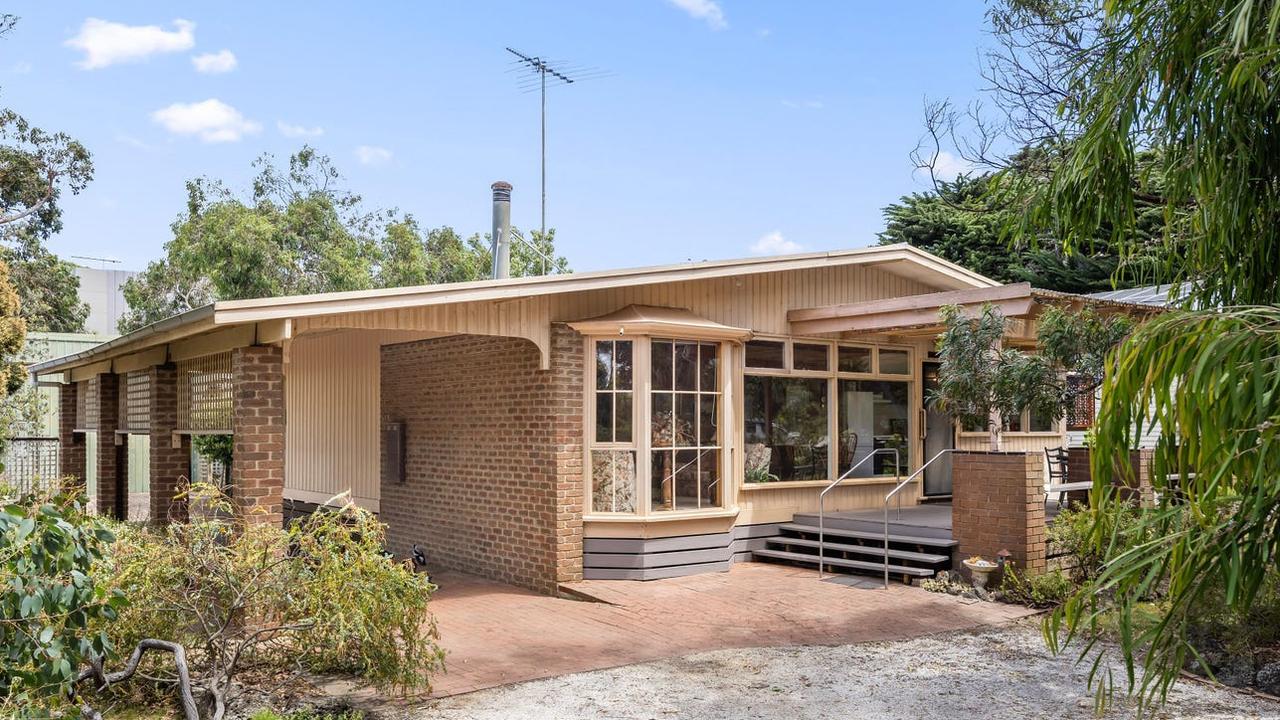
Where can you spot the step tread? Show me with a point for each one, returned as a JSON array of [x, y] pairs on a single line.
[[865, 549], [841, 562], [864, 535]]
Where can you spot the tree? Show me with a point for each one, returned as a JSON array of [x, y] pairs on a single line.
[[299, 232], [13, 334], [47, 285], [980, 383], [1193, 81]]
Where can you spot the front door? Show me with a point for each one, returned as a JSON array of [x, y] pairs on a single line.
[[938, 435]]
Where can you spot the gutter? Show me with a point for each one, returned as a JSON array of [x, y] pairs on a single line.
[[191, 316]]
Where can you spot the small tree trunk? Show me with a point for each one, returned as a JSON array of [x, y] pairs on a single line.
[[994, 423]]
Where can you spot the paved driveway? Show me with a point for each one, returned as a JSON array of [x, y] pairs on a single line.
[[496, 634]]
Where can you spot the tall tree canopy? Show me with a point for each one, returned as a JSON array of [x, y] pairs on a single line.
[[967, 221], [1194, 82], [299, 232]]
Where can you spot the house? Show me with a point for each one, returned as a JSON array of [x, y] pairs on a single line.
[[636, 423]]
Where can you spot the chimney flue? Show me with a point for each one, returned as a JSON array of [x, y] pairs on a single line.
[[501, 230]]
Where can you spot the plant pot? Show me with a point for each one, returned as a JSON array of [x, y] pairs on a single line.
[[981, 572]]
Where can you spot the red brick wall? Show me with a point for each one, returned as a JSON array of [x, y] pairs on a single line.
[[1138, 487], [71, 448], [106, 392], [257, 461], [997, 503], [170, 466], [493, 456]]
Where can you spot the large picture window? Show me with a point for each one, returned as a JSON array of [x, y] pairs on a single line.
[[799, 394]]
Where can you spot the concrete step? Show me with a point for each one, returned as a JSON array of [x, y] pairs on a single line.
[[780, 543], [834, 534], [812, 560], [903, 526]]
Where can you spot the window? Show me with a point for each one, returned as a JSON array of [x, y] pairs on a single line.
[[685, 441], [786, 428], [873, 415], [766, 354], [789, 422], [613, 455]]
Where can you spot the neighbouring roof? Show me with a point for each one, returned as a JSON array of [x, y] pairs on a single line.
[[1154, 295], [900, 259]]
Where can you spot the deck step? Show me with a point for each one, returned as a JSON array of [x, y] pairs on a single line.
[[877, 550], [907, 525], [807, 559], [865, 535]]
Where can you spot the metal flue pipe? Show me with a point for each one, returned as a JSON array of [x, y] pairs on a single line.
[[501, 238]]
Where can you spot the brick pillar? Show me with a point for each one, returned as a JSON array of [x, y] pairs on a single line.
[[110, 472], [997, 503], [257, 459], [170, 465], [71, 459], [566, 419]]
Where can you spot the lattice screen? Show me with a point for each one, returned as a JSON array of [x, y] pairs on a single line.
[[204, 393], [1080, 412], [135, 405], [87, 405]]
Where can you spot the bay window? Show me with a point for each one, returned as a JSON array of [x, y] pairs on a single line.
[[612, 448]]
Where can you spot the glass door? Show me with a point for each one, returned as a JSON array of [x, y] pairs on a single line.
[[937, 435]]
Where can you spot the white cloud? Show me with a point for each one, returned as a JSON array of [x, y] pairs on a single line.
[[764, 32], [211, 120], [107, 43], [296, 131], [946, 167], [134, 142], [804, 104], [708, 10], [21, 68], [372, 155], [214, 63], [775, 244]]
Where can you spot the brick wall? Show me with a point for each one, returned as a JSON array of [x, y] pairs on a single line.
[[997, 503], [257, 464], [71, 447], [1138, 487], [105, 390], [493, 456], [169, 466]]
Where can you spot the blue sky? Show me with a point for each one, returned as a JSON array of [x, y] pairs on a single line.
[[728, 128]]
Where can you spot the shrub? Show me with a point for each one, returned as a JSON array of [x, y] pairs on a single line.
[[1071, 536], [1049, 589], [261, 601], [49, 598]]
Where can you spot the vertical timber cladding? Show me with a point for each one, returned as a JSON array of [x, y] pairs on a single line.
[[492, 456]]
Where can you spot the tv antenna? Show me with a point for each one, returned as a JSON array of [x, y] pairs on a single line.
[[537, 71]]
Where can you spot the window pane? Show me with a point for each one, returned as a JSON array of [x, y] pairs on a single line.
[[686, 366], [708, 364], [613, 480], [661, 479], [807, 356], [872, 415], [766, 354], [660, 361], [709, 478], [1042, 423], [622, 421], [854, 359], [686, 479], [660, 420], [1013, 423], [604, 364], [708, 420], [604, 417], [894, 362], [686, 419], [785, 427], [622, 358]]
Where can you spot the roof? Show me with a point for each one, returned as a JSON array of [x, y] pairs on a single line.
[[1153, 295], [650, 319], [899, 259]]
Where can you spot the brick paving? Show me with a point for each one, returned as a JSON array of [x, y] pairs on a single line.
[[498, 634]]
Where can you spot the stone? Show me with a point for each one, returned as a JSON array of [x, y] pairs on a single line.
[[1268, 679]]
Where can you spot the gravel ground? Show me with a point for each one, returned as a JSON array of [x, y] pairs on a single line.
[[993, 674]]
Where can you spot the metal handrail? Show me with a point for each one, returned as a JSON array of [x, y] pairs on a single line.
[[822, 497], [889, 496]]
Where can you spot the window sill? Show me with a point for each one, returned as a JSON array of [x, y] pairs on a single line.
[[660, 517], [1038, 433], [794, 484]]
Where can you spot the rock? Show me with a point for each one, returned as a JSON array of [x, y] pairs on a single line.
[[1236, 672], [1268, 678]]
